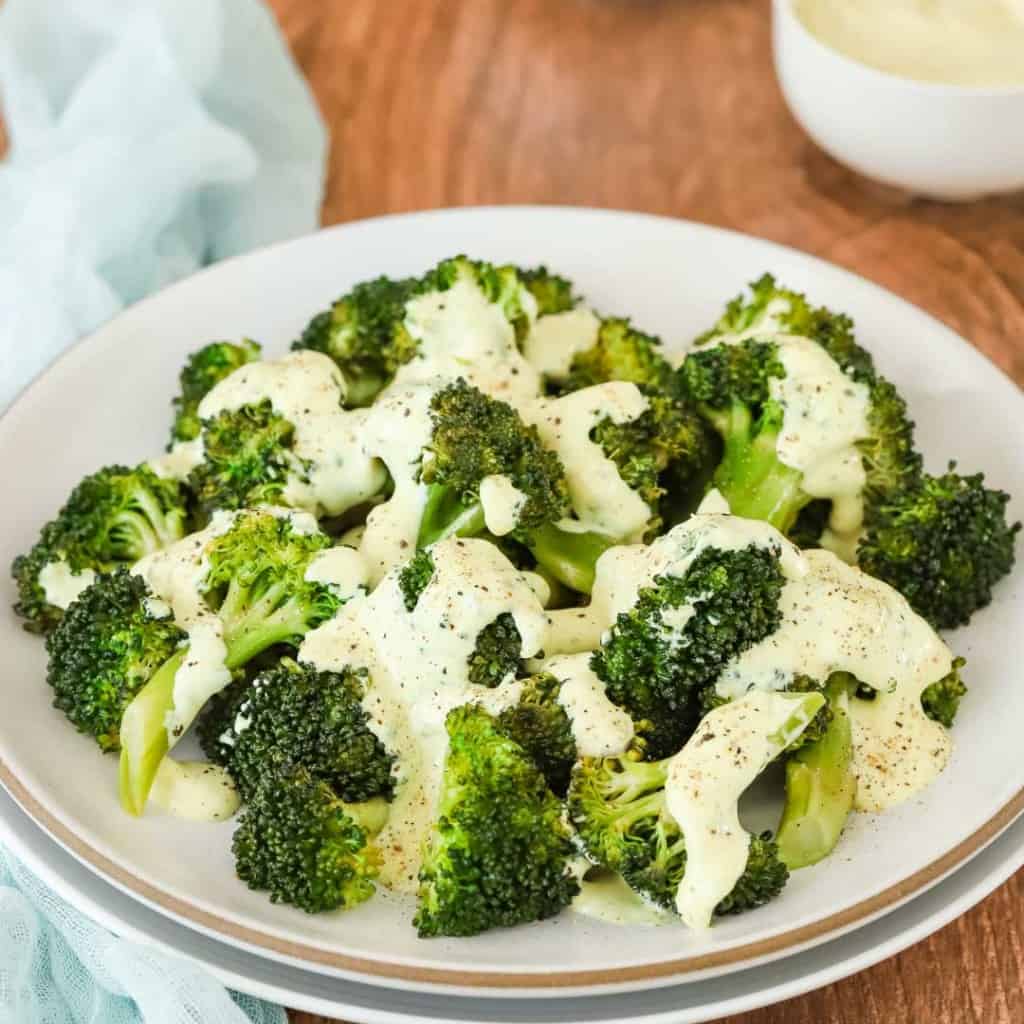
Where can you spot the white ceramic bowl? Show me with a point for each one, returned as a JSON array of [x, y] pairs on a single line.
[[943, 141]]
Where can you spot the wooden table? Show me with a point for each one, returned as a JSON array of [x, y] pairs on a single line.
[[668, 106]]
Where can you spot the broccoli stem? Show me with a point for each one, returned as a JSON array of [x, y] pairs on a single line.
[[446, 515], [569, 557], [820, 788], [751, 477], [144, 740]]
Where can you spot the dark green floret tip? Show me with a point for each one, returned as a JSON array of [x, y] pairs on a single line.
[[554, 294], [618, 808], [414, 577], [498, 854], [201, 373], [498, 653], [303, 845], [364, 333], [656, 671], [104, 650], [943, 544], [113, 517], [621, 352], [941, 700]]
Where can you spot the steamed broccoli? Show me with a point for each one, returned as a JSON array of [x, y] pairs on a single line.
[[307, 847], [247, 460], [540, 725], [113, 517], [294, 714], [499, 851], [256, 585], [552, 293], [942, 544], [476, 436], [205, 369], [941, 699], [731, 384], [656, 669], [618, 808], [108, 645], [364, 333], [498, 651]]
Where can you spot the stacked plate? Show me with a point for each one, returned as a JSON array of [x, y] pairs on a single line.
[[893, 880]]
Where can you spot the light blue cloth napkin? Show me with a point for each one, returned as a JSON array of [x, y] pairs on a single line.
[[147, 138]]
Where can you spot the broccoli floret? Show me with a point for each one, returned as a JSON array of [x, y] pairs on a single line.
[[499, 851], [256, 585], [105, 649], [618, 808], [364, 333], [731, 385], [247, 460], [943, 544], [941, 700], [297, 840], [205, 369], [540, 725], [553, 293], [476, 436], [295, 715], [657, 670], [621, 352], [667, 435], [500, 284], [498, 650], [113, 517]]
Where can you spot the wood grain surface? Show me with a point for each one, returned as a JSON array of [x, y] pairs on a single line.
[[668, 106]]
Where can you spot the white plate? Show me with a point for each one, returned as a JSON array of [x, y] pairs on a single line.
[[368, 1004], [107, 400]]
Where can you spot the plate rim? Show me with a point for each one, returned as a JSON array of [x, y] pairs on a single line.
[[466, 976]]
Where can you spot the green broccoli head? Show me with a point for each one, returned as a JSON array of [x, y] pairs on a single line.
[[941, 700], [298, 841], [621, 352], [113, 517], [256, 583], [540, 725], [668, 434], [247, 460], [731, 385], [498, 652], [104, 650], [476, 436], [943, 544], [500, 284], [295, 715], [618, 808], [656, 669], [553, 293], [203, 371], [499, 851], [364, 333]]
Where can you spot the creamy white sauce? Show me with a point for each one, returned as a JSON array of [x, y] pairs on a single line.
[[714, 502], [418, 664], [599, 727], [194, 790], [176, 576], [622, 572], [838, 619], [825, 415], [502, 503], [176, 464], [556, 340], [606, 897], [732, 746], [959, 42], [61, 586], [342, 569], [397, 428], [600, 497], [461, 334]]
